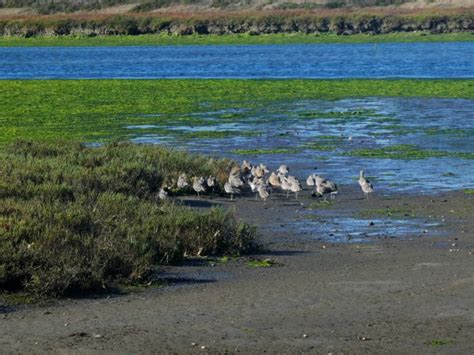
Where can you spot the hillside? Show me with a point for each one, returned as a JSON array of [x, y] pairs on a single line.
[[9, 7], [28, 18]]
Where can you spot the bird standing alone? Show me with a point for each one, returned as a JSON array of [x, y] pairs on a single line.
[[365, 185]]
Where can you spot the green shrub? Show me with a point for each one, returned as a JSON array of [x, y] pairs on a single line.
[[75, 219]]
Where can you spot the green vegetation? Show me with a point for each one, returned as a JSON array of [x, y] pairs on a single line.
[[75, 219], [440, 342], [320, 204], [321, 146], [228, 39], [455, 132], [469, 191], [406, 152], [100, 110], [394, 212], [325, 143], [261, 263]]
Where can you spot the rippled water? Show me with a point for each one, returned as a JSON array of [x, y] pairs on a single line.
[[355, 230], [341, 127], [389, 60]]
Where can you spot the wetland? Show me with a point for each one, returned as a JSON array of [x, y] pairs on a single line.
[[82, 161]]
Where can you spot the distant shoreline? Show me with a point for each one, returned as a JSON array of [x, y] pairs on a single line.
[[230, 39]]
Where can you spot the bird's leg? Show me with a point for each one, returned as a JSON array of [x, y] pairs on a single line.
[[296, 195], [287, 193], [231, 197]]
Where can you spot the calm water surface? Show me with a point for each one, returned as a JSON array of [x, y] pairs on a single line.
[[396, 60]]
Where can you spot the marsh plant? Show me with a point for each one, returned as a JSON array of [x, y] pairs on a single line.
[[76, 219]]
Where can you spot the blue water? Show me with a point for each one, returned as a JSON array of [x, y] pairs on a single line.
[[282, 126], [391, 60]]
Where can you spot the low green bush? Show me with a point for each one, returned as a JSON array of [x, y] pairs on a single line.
[[76, 219]]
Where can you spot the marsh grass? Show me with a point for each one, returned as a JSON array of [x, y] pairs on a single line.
[[227, 39], [76, 220]]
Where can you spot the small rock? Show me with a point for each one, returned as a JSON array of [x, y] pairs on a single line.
[[203, 347], [193, 344], [305, 335], [371, 224], [453, 244], [97, 336]]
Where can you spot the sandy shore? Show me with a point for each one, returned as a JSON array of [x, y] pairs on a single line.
[[391, 295]]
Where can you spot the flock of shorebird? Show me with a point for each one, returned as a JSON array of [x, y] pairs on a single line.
[[261, 182]]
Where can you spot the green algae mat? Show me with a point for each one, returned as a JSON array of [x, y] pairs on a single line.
[[99, 110]]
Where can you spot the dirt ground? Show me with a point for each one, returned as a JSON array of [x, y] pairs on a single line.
[[390, 295]]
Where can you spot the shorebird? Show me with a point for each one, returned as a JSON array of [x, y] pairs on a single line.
[[234, 178], [285, 185], [163, 194], [311, 180], [264, 168], [254, 183], [324, 187], [258, 171], [198, 184], [365, 184], [211, 182], [182, 181], [232, 190], [295, 185], [283, 170], [263, 192], [245, 167], [274, 180]]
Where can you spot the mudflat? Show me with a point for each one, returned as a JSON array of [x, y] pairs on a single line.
[[370, 292]]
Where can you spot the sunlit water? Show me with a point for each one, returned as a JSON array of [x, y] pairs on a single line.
[[343, 229], [388, 60], [381, 123]]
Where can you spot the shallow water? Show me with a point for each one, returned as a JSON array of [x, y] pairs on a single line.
[[445, 125], [337, 229], [388, 60]]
